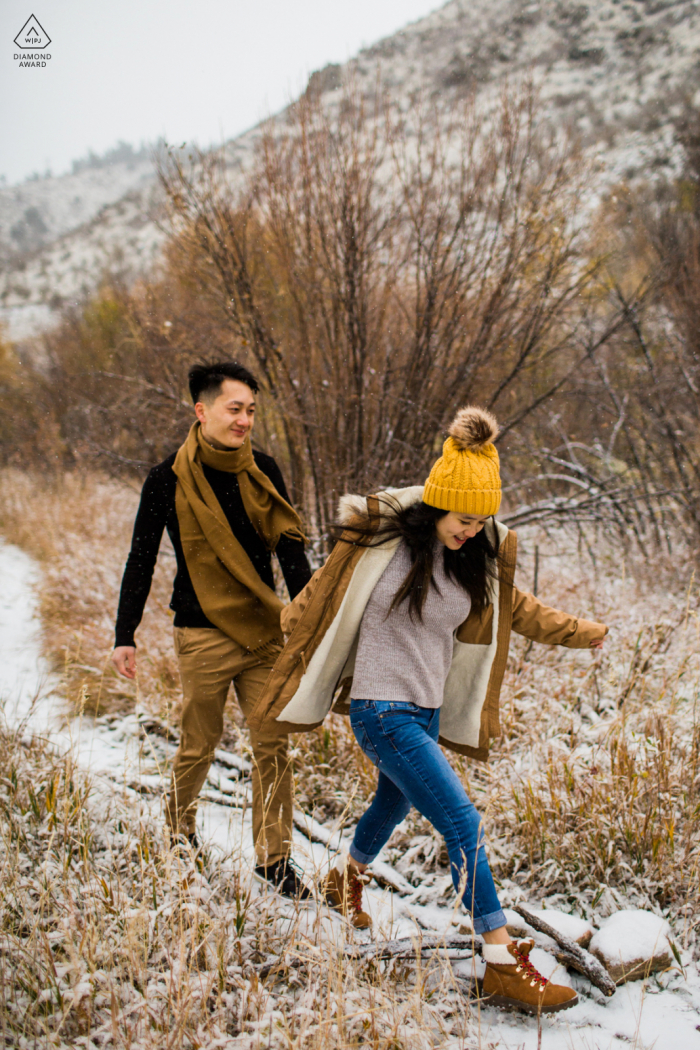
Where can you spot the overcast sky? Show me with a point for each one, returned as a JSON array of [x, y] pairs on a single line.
[[184, 70]]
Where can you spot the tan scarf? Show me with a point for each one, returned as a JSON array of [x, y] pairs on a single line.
[[229, 589]]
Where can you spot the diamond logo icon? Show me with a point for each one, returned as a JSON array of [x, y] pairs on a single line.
[[32, 36]]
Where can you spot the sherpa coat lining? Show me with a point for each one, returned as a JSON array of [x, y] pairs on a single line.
[[323, 626]]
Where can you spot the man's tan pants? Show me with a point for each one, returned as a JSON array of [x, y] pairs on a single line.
[[209, 661]]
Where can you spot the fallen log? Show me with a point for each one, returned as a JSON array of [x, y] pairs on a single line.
[[457, 946], [316, 832], [571, 953], [218, 797], [231, 761]]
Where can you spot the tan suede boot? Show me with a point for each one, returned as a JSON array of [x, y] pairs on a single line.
[[343, 891], [519, 985]]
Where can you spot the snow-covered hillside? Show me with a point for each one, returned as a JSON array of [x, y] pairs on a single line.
[[621, 70], [58, 234], [44, 208], [616, 66]]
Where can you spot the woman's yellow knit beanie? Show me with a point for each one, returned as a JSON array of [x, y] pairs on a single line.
[[466, 478]]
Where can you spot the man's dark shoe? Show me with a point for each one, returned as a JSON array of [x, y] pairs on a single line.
[[187, 843], [284, 876]]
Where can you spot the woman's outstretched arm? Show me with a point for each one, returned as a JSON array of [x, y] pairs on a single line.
[[539, 622]]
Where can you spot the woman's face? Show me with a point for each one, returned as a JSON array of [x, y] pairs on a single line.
[[455, 529]]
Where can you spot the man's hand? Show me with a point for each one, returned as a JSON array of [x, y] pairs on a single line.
[[124, 659], [597, 644]]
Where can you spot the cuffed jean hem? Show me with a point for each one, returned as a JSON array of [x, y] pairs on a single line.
[[486, 923], [359, 856]]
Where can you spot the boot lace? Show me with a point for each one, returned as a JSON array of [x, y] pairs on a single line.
[[530, 971], [354, 892]]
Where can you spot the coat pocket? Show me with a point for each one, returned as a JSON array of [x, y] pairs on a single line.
[[362, 737], [477, 630]]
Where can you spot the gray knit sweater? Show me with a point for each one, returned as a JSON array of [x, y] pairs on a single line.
[[400, 658]]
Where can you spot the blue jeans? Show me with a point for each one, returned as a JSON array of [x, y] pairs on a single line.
[[401, 740]]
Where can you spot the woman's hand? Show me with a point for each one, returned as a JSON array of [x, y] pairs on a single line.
[[597, 644]]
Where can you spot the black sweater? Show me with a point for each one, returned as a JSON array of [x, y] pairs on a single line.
[[157, 512]]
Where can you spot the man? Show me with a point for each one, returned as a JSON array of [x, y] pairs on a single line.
[[225, 508]]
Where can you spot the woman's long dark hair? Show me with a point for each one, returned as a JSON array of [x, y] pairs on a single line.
[[472, 567]]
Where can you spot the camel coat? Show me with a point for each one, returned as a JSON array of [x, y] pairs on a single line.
[[313, 674]]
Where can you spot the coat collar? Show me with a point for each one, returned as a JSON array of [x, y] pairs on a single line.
[[391, 501]]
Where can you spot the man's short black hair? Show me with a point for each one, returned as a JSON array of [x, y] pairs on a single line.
[[205, 380]]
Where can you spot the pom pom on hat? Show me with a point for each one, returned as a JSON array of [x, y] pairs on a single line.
[[466, 479], [472, 428]]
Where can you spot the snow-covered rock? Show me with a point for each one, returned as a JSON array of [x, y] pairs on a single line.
[[633, 944]]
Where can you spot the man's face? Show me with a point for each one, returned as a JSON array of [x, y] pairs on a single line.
[[227, 420]]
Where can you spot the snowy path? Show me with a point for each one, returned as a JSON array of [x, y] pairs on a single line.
[[662, 1013]]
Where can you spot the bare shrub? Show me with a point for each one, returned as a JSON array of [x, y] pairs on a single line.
[[122, 378], [642, 391], [381, 271], [377, 270]]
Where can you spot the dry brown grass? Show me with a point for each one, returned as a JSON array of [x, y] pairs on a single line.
[[107, 939], [334, 778], [79, 528], [595, 785], [591, 799], [78, 525], [598, 756]]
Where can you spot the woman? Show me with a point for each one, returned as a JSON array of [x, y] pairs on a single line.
[[411, 614]]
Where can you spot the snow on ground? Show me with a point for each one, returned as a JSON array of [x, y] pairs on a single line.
[[24, 677], [662, 1012]]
